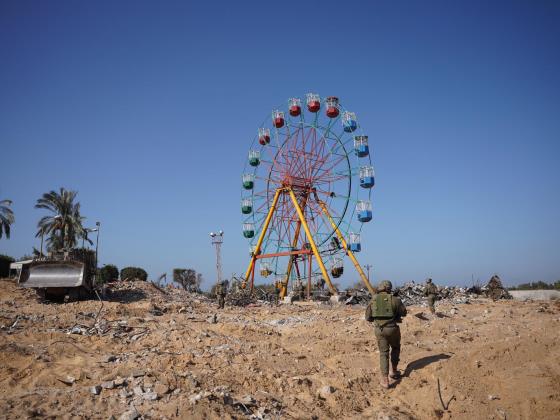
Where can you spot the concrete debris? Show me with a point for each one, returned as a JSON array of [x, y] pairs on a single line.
[[161, 389], [150, 396], [241, 297], [129, 415], [119, 381], [95, 390], [108, 385], [412, 293], [495, 289], [68, 380], [325, 391]]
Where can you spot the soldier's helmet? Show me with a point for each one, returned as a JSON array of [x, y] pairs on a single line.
[[385, 286]]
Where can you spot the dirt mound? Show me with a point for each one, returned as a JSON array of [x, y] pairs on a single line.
[[171, 354]]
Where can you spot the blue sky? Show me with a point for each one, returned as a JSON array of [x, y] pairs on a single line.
[[148, 110]]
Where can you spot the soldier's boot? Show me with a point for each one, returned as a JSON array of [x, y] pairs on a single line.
[[394, 371], [384, 381]]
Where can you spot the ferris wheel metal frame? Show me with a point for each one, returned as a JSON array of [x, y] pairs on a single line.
[[306, 165]]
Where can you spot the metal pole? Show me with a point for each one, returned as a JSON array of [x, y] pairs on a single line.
[[367, 266], [42, 235], [98, 224], [217, 240], [218, 261]]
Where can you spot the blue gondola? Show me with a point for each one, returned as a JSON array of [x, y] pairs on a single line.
[[367, 179], [355, 247], [367, 182], [349, 122], [361, 147], [364, 209], [365, 216]]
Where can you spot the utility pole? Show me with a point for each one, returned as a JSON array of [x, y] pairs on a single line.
[[367, 267], [217, 240]]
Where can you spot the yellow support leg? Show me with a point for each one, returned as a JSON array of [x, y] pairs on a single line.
[[292, 257], [261, 237], [312, 242], [371, 289]]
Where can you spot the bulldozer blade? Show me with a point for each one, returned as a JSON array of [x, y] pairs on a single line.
[[48, 274]]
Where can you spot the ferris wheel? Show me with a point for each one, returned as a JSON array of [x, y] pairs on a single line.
[[306, 193]]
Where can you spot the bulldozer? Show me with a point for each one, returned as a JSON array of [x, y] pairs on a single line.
[[67, 275]]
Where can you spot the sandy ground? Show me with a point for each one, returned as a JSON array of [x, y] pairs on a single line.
[[162, 356]]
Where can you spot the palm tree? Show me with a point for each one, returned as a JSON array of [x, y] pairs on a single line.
[[64, 226], [6, 217]]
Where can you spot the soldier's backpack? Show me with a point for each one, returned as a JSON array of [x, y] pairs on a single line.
[[382, 306]]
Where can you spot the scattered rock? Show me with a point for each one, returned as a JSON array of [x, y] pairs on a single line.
[[124, 393], [68, 380], [108, 385], [77, 330], [129, 415], [493, 397], [326, 391], [248, 401], [193, 399], [119, 381], [213, 319], [161, 389], [138, 373], [95, 390], [110, 358], [150, 396], [138, 390]]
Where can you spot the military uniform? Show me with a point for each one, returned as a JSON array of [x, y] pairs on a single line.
[[302, 292], [431, 292], [221, 294], [386, 312], [277, 292]]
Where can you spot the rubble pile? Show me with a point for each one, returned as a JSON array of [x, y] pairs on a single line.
[[241, 298], [131, 291], [495, 289], [412, 293]]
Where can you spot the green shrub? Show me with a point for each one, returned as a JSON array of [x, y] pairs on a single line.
[[132, 273], [108, 273], [5, 262]]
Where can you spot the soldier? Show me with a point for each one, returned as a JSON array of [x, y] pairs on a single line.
[[221, 294], [386, 312], [277, 291], [431, 292], [301, 292]]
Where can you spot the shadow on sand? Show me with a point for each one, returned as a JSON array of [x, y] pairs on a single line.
[[420, 315], [423, 362]]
